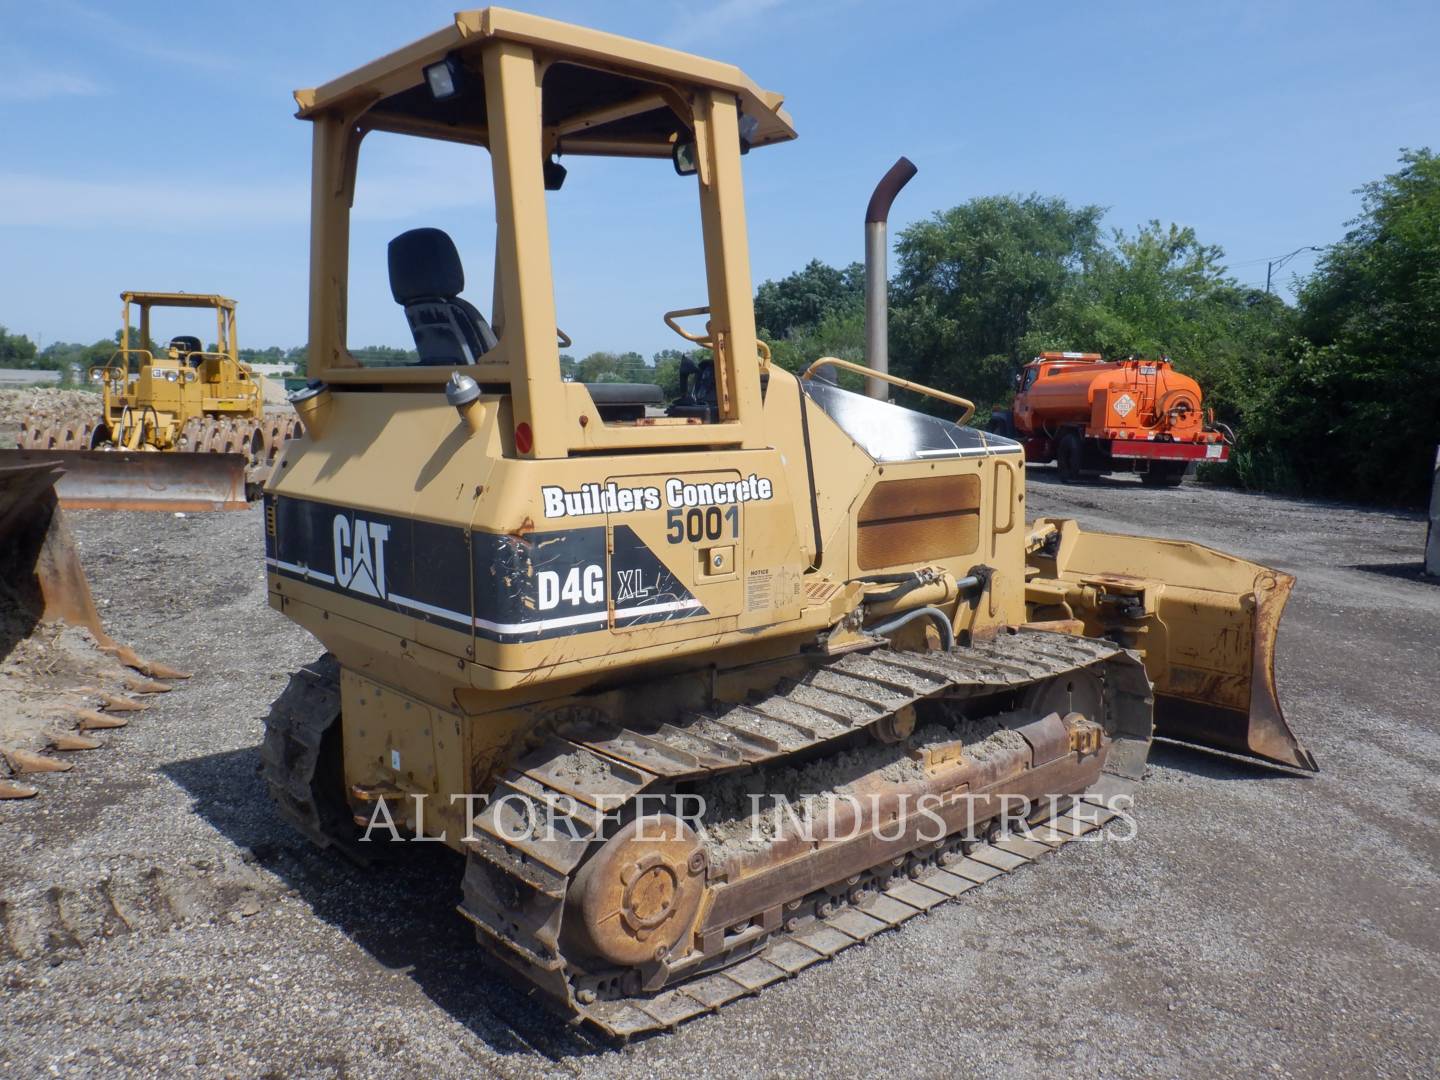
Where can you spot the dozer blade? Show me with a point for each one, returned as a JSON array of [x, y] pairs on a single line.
[[141, 480], [1205, 623]]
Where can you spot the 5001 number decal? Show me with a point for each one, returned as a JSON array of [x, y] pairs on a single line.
[[696, 524]]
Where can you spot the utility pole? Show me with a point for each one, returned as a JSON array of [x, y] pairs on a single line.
[[1276, 264]]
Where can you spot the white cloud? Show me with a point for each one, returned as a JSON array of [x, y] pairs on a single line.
[[399, 178], [142, 203], [132, 37], [23, 85], [67, 202]]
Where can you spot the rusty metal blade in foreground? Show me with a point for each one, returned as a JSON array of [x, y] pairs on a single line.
[[1204, 621], [141, 480], [38, 564], [41, 579]]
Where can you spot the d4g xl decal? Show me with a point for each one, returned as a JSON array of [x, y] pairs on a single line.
[[503, 588]]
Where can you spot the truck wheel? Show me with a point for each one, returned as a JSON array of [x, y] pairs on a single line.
[[1067, 457], [1164, 474]]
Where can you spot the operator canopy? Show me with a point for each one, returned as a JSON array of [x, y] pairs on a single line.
[[604, 94]]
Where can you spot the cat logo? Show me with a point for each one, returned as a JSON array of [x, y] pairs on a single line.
[[360, 555]]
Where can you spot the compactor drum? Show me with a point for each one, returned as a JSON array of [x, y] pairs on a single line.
[[206, 403], [703, 691]]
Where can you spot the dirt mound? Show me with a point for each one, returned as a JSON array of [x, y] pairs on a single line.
[[15, 405], [41, 401], [275, 393]]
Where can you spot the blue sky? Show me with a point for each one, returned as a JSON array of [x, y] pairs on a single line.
[[152, 145]]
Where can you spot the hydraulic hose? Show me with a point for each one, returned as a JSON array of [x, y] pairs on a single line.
[[947, 635]]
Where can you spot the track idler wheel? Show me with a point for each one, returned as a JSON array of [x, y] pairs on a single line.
[[640, 894]]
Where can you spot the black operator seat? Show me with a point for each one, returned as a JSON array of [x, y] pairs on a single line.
[[186, 347], [426, 278]]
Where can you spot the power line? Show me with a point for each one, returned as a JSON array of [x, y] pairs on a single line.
[[1271, 265]]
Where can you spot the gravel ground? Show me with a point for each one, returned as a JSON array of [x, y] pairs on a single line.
[[158, 919]]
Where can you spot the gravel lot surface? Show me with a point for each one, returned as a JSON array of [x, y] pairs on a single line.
[[158, 919]]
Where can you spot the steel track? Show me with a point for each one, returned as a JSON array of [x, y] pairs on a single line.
[[514, 889]]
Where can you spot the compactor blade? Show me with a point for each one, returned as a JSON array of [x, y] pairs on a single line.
[[1204, 621], [142, 480]]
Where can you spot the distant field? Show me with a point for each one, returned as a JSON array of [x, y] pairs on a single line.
[[12, 378]]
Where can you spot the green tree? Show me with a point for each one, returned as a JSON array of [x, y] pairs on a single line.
[[16, 350], [1162, 292], [600, 367], [101, 352], [1355, 412], [817, 311], [385, 356], [840, 333], [808, 297], [1139, 294], [665, 366], [972, 282]]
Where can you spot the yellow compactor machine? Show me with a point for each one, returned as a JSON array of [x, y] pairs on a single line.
[[178, 428], [573, 629]]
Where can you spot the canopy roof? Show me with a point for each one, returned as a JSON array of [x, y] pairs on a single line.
[[178, 299], [603, 94]]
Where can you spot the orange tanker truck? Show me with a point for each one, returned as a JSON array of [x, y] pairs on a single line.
[[1090, 415]]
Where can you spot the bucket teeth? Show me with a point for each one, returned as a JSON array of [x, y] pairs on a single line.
[[23, 761], [145, 686], [118, 703], [69, 740], [10, 790], [130, 658], [87, 720]]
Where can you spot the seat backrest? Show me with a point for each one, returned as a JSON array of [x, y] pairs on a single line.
[[185, 348], [426, 278]]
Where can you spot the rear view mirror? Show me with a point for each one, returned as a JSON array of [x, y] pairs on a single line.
[[683, 157]]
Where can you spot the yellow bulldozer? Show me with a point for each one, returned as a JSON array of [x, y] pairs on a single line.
[[184, 397], [701, 691]]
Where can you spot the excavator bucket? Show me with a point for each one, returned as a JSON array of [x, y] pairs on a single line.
[[1204, 622], [41, 579], [141, 480]]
